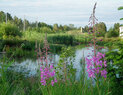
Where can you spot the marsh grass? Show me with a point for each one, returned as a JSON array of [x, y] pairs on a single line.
[[13, 83], [67, 38]]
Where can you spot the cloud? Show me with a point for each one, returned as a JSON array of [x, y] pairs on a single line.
[[63, 11]]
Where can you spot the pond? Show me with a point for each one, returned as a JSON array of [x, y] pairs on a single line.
[[30, 66]]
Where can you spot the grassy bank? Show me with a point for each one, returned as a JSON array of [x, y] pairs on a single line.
[[27, 41], [23, 45]]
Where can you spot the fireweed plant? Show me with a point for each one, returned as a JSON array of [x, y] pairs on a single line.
[[47, 71], [66, 85], [96, 63]]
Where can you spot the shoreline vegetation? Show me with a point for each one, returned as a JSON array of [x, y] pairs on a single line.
[[101, 74]]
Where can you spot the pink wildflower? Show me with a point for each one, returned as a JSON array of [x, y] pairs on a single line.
[[55, 80], [104, 73], [95, 65], [52, 83]]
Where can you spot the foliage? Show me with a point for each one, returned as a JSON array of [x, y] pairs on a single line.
[[56, 38], [115, 69], [3, 17], [55, 27], [34, 26], [12, 83], [17, 83], [61, 39], [120, 8], [112, 33], [19, 52], [26, 45], [1, 45], [100, 29], [86, 29], [45, 30], [5, 86], [18, 22], [9, 30], [116, 28], [65, 28], [65, 68]]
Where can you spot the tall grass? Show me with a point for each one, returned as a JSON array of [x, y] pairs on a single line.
[[68, 38], [13, 83], [61, 39]]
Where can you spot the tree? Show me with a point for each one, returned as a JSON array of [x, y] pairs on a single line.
[[55, 27], [61, 28], [45, 29], [71, 26], [116, 28], [86, 29], [27, 24], [18, 22], [111, 33], [101, 29], [2, 16], [9, 17], [120, 8], [9, 30]]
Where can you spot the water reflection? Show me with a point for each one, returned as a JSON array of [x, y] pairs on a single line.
[[30, 66]]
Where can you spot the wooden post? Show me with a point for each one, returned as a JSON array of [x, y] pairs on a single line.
[[24, 24], [37, 23]]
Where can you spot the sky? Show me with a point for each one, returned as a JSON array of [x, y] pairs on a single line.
[[63, 12]]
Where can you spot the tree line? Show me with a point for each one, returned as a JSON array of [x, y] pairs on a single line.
[[33, 25], [101, 29]]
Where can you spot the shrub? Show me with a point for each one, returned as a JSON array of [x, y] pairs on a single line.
[[45, 29], [115, 69], [26, 45], [1, 45], [61, 39], [9, 30], [111, 33]]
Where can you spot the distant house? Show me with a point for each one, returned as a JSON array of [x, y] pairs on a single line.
[[121, 31]]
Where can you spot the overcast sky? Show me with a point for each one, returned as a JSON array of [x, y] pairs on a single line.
[[75, 12]]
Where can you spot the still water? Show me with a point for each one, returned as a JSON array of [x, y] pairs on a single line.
[[29, 67]]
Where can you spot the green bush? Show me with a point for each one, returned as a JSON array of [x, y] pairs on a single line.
[[111, 33], [115, 69], [18, 52], [45, 29], [61, 39], [12, 42], [1, 45], [26, 45], [9, 30]]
